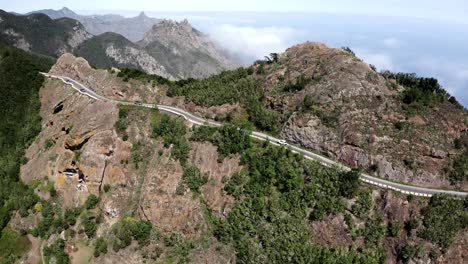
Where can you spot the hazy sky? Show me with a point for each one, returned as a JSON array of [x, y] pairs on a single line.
[[447, 9]]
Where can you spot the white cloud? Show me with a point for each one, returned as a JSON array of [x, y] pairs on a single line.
[[381, 60], [252, 42], [392, 43]]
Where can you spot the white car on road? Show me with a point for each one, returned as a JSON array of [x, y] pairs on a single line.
[[282, 142]]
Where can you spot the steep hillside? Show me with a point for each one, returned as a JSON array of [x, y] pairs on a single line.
[[113, 50], [396, 126], [184, 51], [20, 123], [128, 184], [132, 28], [41, 34]]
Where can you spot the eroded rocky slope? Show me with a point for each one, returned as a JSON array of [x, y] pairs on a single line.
[[137, 178], [330, 101], [373, 129]]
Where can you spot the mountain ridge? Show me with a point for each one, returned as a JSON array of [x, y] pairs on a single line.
[[132, 28], [166, 54]]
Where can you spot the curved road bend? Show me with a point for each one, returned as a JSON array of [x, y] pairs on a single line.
[[402, 188]]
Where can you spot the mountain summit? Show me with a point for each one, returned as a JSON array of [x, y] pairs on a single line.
[[178, 44]]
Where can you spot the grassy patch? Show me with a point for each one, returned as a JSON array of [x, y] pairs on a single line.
[[13, 244]]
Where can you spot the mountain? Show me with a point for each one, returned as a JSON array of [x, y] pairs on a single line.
[[170, 49], [55, 14], [113, 50], [396, 126], [132, 28], [184, 51], [41, 34], [113, 183]]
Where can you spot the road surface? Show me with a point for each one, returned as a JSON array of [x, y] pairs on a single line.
[[402, 188]]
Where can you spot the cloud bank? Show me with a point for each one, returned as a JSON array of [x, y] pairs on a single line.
[[255, 42]]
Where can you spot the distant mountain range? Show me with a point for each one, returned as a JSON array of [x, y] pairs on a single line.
[[174, 50], [132, 28]]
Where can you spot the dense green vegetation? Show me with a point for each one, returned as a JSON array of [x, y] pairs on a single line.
[[91, 201], [444, 217], [277, 194], [55, 253], [129, 229], [172, 131], [53, 220], [459, 171], [19, 124], [101, 247], [194, 178], [229, 87], [230, 139], [121, 124], [129, 73], [420, 92], [12, 245]]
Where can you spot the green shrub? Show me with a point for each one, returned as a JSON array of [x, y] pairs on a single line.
[[374, 230], [395, 228], [49, 143], [350, 183], [173, 132], [89, 225], [128, 229], [107, 187], [299, 84], [194, 179], [363, 205], [55, 253], [91, 202], [409, 252], [71, 215], [459, 171], [101, 247]]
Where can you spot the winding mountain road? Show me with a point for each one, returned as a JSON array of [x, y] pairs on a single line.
[[386, 184]]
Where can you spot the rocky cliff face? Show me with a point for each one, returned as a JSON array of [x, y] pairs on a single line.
[[185, 51], [78, 135], [359, 119]]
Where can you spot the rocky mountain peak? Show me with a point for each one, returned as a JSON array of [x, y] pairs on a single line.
[[168, 24], [67, 12], [142, 15]]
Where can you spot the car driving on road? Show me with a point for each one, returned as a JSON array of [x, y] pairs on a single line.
[[82, 90], [138, 103], [282, 142]]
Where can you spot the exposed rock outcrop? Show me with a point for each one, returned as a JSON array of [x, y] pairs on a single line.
[[184, 51]]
